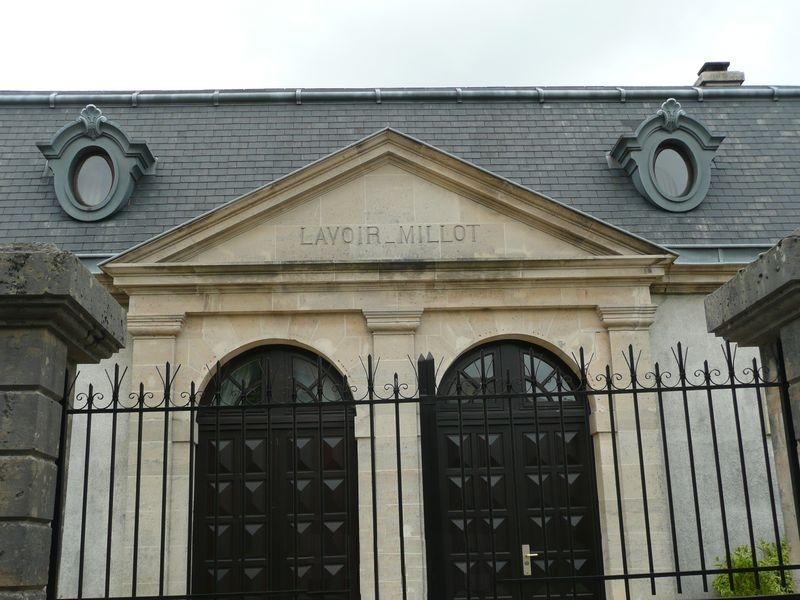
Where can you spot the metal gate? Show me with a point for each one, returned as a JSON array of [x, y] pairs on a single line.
[[539, 480]]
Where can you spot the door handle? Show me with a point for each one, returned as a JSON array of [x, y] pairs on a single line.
[[526, 559]]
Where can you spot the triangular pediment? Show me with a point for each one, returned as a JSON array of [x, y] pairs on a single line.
[[388, 197]]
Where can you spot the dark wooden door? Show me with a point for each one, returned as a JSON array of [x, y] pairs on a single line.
[[275, 503], [503, 471]]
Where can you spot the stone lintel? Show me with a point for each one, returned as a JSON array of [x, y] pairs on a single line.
[[627, 318], [762, 298], [393, 320], [158, 326], [42, 287]]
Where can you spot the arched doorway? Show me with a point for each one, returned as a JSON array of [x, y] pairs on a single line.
[[275, 501], [540, 471]]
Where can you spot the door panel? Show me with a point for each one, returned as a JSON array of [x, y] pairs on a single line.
[[275, 504], [540, 471]]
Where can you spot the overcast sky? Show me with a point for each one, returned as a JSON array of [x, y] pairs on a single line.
[[139, 44]]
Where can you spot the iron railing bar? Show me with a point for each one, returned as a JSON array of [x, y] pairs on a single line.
[[588, 440], [617, 485], [165, 443], [269, 514], [670, 502], [85, 490], [743, 466], [489, 478], [190, 511], [692, 470], [111, 481], [510, 408], [58, 503], [320, 442], [400, 490], [768, 467], [465, 522], [720, 488], [542, 510], [373, 476], [640, 449], [565, 453], [616, 577], [138, 494], [295, 486], [218, 400], [445, 397], [243, 492], [233, 595], [414, 400], [347, 483], [657, 574]]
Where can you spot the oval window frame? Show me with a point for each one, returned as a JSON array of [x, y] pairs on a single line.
[[77, 165]]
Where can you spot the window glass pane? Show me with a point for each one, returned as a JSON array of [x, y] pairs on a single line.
[[673, 174], [243, 382], [304, 372], [93, 180], [305, 376], [330, 392]]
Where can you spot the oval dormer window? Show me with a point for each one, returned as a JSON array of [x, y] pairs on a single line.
[[93, 179], [669, 158], [673, 171], [95, 165]]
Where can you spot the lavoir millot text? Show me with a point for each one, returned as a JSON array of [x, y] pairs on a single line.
[[388, 234]]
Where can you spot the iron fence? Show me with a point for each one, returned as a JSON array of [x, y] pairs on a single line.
[[511, 475]]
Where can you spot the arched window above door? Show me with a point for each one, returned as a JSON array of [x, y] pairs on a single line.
[[510, 365], [276, 374]]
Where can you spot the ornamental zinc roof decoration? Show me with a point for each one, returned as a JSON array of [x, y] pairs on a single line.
[[216, 146]]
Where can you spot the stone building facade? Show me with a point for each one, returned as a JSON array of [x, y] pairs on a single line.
[[398, 228]]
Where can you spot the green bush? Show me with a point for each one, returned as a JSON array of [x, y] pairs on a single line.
[[744, 584]]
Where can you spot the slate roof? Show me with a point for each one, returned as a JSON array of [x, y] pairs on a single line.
[[208, 155]]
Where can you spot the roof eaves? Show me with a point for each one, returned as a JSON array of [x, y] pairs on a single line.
[[379, 95]]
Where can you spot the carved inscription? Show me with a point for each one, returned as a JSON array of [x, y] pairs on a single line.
[[378, 235]]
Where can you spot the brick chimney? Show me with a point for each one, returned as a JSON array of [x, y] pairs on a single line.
[[716, 74]]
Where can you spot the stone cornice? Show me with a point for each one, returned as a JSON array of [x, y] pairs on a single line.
[[627, 318], [682, 278], [193, 278], [155, 325], [393, 321]]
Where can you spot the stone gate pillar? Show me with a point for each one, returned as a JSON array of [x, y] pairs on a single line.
[[53, 315], [760, 307]]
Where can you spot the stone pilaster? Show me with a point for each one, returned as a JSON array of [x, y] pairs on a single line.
[[393, 342], [760, 307], [629, 326], [154, 344], [53, 314]]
